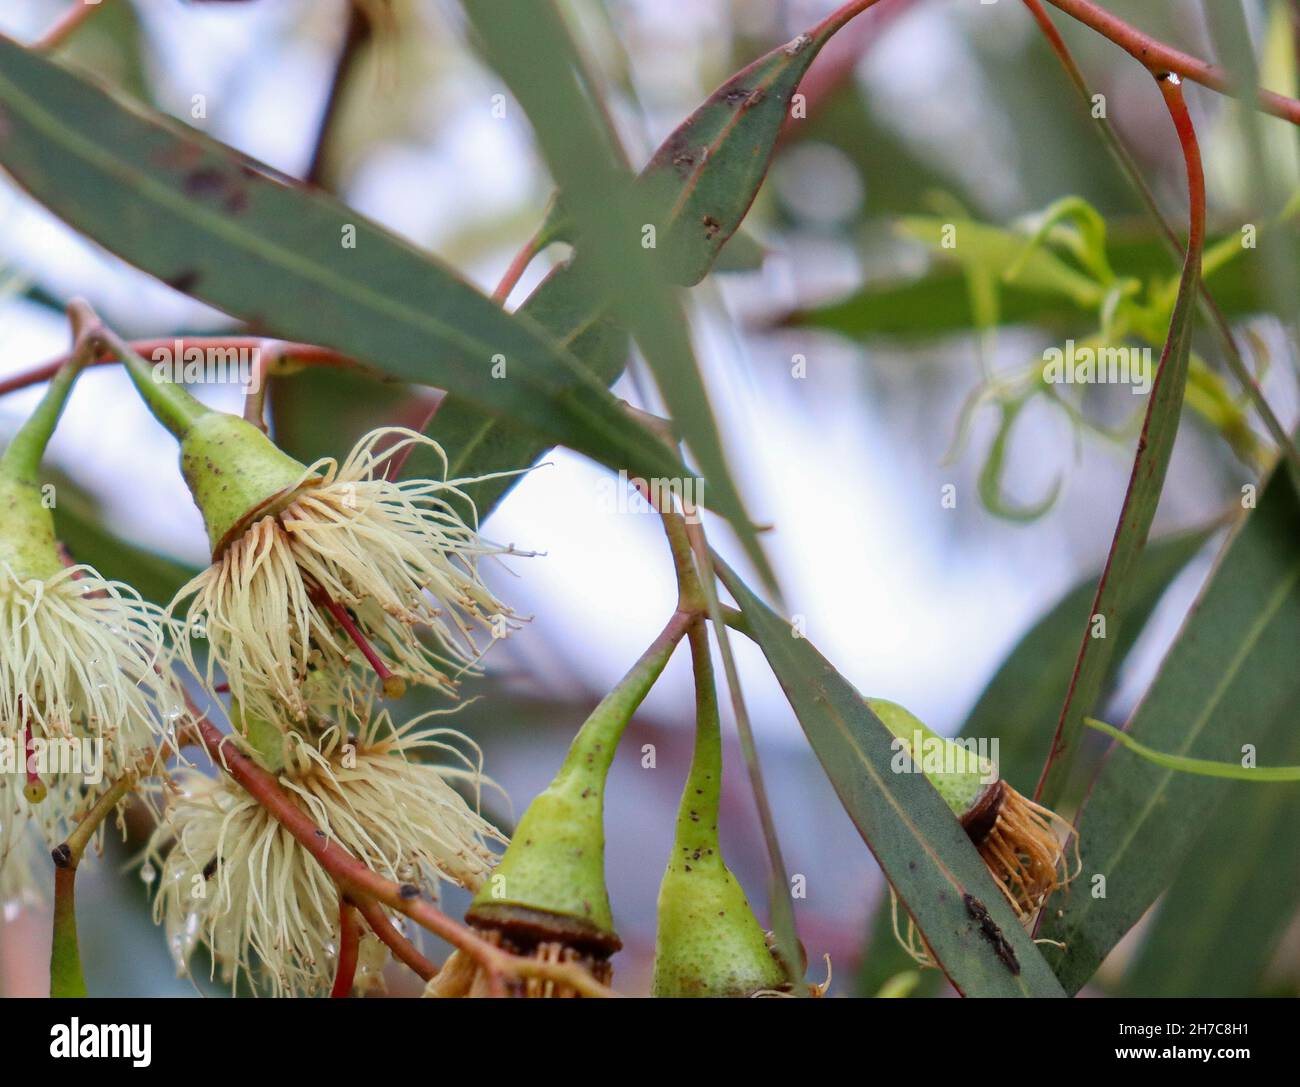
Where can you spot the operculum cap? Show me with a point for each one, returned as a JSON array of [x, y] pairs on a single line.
[[961, 788], [236, 475], [709, 942]]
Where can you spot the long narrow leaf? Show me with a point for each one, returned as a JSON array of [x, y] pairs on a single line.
[[1228, 679], [292, 262], [1155, 447], [917, 840]]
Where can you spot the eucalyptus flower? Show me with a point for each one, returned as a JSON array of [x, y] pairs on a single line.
[[85, 683], [236, 881], [323, 566]]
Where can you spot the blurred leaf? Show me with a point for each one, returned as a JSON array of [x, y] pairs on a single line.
[[938, 303], [1006, 255], [113, 45], [915, 837], [79, 525], [480, 444], [1021, 702], [534, 53], [1227, 679], [935, 305], [1219, 924], [203, 218], [323, 412]]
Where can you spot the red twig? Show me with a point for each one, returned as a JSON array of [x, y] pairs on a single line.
[[394, 686], [517, 268], [1159, 57], [349, 939], [67, 25], [402, 948], [307, 354]]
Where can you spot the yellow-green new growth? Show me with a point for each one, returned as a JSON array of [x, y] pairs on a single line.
[[709, 942]]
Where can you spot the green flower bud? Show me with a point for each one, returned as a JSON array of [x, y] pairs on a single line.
[[709, 941], [549, 887], [960, 787], [1017, 839]]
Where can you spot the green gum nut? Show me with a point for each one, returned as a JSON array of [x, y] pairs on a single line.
[[234, 471], [27, 541], [709, 942], [550, 883], [960, 788]]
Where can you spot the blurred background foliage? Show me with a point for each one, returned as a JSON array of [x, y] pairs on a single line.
[[919, 369]]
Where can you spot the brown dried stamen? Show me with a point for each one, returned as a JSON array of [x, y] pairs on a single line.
[[1018, 841]]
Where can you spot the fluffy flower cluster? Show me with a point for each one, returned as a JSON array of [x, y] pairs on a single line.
[[356, 571], [86, 688], [235, 880]]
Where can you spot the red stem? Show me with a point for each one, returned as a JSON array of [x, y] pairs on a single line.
[[308, 354], [67, 25], [1159, 57], [35, 790], [402, 948], [349, 940], [516, 271], [394, 686]]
